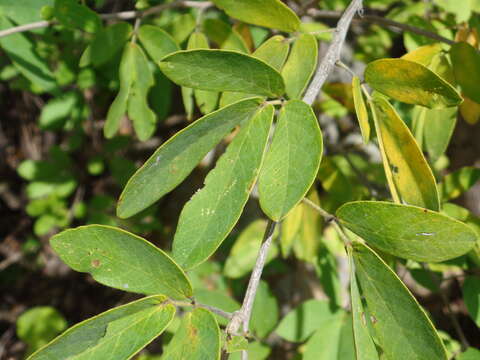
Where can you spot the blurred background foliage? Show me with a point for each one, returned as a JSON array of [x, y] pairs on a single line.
[[57, 170]]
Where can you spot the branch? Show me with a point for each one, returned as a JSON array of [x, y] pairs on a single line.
[[333, 52], [123, 15], [213, 309], [384, 22]]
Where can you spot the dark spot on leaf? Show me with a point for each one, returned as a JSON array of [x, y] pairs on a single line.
[[394, 169], [425, 211], [96, 263]]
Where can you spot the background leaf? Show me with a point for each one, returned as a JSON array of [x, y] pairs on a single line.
[[74, 15], [471, 297], [157, 42], [117, 333], [407, 231], [121, 260], [466, 67], [176, 158], [212, 212], [292, 161]]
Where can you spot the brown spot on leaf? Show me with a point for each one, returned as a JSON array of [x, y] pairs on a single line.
[[96, 263]]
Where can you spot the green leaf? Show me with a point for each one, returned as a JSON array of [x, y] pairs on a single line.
[[243, 254], [71, 14], [466, 67], [198, 338], [212, 212], [424, 54], [411, 83], [471, 297], [302, 321], [222, 70], [402, 327], [224, 35], [219, 299], [136, 79], [121, 260], [300, 66], [438, 130], [360, 109], [470, 354], [410, 179], [106, 44], [22, 52], [274, 52], [55, 112], [39, 325], [292, 161], [407, 231], [457, 182], [265, 311], [236, 343], [256, 351], [364, 345], [176, 158], [157, 42], [334, 341], [118, 333], [269, 13], [23, 11]]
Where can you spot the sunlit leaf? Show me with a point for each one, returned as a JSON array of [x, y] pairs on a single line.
[[407, 231], [119, 259], [157, 42], [212, 212], [360, 109]]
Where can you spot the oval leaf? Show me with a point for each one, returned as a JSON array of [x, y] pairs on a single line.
[[360, 109], [269, 13], [118, 333], [466, 67], [157, 42], [300, 66], [411, 83], [292, 161], [212, 212], [222, 70], [121, 260], [410, 179], [403, 329], [407, 231], [197, 338], [176, 158]]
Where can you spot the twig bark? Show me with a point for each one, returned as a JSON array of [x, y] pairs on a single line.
[[383, 22], [123, 15], [333, 52]]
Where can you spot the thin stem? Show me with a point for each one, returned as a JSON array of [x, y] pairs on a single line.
[[384, 22], [333, 53], [138, 21], [213, 309], [122, 15], [345, 67]]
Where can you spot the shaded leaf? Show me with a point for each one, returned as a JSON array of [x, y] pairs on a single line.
[[466, 67], [360, 109], [300, 66], [121, 260], [224, 35], [212, 212], [438, 130], [292, 161], [222, 70], [402, 327], [457, 182], [74, 15], [410, 179], [176, 158], [269, 13], [197, 338], [411, 83], [118, 333], [471, 297], [407, 231], [265, 311]]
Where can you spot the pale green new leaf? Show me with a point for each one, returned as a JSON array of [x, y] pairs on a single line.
[[157, 42], [21, 50], [409, 177], [300, 66], [402, 327], [176, 158], [244, 252], [269, 13], [121, 260], [274, 52], [364, 345], [292, 161], [222, 70], [411, 82], [198, 338], [360, 109], [212, 212], [466, 67], [407, 231], [118, 333]]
